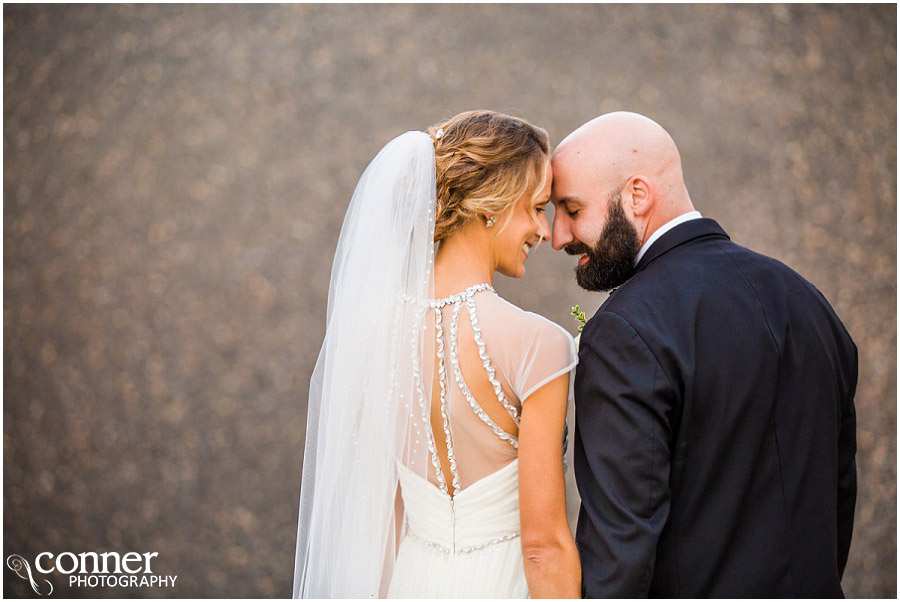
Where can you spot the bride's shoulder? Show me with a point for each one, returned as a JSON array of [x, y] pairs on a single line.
[[515, 321], [532, 347]]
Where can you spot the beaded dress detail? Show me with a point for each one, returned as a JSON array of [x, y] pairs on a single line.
[[461, 536]]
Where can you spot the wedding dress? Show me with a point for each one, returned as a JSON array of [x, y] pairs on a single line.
[[410, 472], [462, 534]]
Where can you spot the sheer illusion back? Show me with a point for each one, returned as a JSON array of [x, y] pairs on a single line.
[[489, 356]]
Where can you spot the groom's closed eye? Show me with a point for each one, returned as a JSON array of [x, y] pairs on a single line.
[[569, 205], [570, 211]]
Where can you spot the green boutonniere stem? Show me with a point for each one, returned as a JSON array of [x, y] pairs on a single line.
[[579, 315]]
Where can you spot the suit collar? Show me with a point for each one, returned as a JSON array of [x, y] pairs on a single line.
[[680, 234]]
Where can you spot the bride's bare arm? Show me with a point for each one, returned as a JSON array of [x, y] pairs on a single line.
[[552, 568]]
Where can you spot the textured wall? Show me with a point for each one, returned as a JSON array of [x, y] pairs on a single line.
[[175, 179]]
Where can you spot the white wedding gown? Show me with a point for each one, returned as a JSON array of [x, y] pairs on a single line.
[[461, 534]]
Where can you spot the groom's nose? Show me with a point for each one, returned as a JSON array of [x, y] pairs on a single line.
[[561, 235]]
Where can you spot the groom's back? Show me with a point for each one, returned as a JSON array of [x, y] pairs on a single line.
[[759, 376]]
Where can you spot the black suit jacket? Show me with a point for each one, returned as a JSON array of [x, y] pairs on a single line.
[[715, 434]]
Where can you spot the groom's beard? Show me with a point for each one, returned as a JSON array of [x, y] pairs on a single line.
[[611, 262]]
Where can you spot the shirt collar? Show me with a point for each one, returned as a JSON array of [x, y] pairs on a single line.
[[684, 217]]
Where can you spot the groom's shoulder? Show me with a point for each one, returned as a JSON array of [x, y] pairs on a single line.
[[707, 272], [707, 265], [769, 273]]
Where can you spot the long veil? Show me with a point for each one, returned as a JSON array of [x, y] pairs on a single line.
[[366, 395]]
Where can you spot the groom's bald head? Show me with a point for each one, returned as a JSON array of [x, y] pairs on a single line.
[[616, 146], [617, 153]]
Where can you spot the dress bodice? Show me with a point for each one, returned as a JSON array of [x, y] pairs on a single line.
[[466, 547], [485, 513]]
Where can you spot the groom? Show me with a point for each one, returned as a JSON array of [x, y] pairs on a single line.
[[715, 433]]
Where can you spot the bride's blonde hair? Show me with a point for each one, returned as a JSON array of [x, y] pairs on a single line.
[[484, 162]]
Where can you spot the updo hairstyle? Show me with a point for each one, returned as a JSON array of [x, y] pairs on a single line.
[[484, 162]]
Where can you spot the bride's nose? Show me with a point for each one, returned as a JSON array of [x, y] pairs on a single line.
[[544, 229]]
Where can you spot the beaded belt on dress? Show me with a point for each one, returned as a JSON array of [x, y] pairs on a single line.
[[464, 550]]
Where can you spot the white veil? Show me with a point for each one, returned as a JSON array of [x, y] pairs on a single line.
[[366, 398]]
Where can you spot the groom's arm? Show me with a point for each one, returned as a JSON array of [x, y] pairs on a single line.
[[622, 401], [846, 498]]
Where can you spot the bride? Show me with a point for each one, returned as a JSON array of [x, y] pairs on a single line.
[[433, 463]]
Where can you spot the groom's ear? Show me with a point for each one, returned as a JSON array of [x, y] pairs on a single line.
[[638, 195]]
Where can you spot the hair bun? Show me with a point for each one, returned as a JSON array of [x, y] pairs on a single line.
[[485, 162]]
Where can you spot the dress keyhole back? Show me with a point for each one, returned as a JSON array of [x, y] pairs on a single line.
[[464, 380]]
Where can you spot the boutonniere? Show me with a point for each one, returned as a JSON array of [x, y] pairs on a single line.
[[582, 320], [579, 315]]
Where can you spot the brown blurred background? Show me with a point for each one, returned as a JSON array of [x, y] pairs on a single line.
[[175, 178]]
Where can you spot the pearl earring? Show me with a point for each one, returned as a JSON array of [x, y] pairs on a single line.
[[490, 221]]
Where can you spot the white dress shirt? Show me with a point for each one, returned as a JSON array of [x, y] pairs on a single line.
[[684, 217]]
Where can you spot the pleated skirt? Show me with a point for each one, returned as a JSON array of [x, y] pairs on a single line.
[[423, 571]]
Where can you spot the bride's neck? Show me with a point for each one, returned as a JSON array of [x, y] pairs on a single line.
[[462, 260]]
